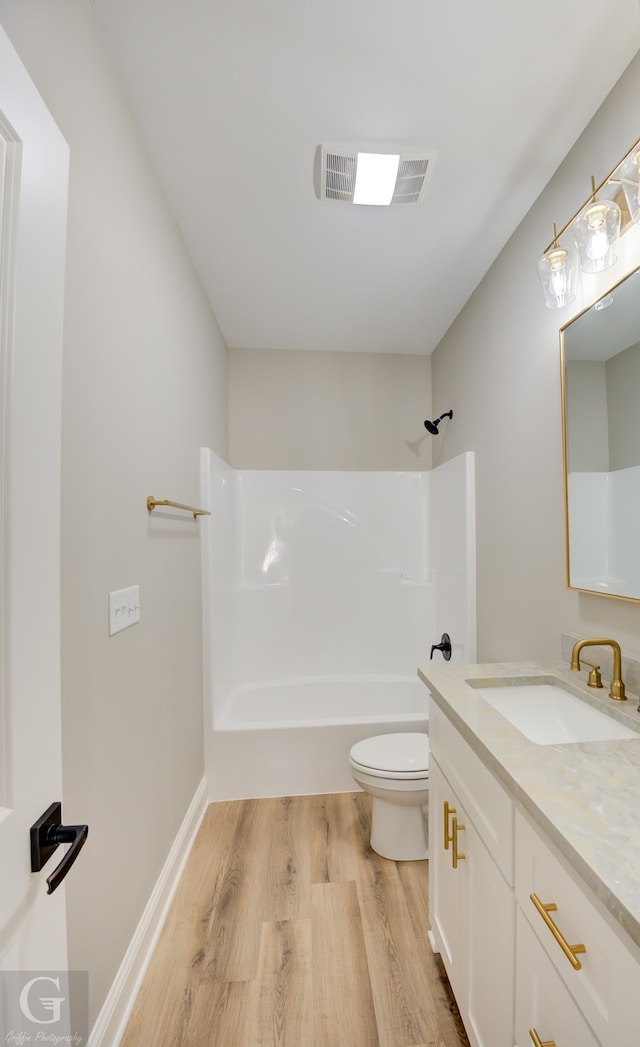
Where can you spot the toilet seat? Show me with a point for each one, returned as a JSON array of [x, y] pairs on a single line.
[[401, 756]]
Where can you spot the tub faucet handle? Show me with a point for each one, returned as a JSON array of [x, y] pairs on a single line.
[[444, 646]]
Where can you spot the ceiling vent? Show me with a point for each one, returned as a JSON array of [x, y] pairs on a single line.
[[338, 172]]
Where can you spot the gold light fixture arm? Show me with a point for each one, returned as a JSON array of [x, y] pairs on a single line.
[[153, 502]]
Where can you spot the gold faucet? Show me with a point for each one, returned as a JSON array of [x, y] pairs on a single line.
[[617, 686]]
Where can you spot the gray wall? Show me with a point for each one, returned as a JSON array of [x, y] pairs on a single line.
[[623, 408], [324, 410], [144, 379], [587, 421], [498, 367]]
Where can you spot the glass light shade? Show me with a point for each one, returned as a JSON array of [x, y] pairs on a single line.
[[557, 272], [596, 231]]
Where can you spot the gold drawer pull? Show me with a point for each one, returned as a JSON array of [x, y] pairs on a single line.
[[538, 1042], [455, 857], [447, 812], [569, 950]]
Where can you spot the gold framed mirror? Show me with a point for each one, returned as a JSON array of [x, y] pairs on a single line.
[[600, 380]]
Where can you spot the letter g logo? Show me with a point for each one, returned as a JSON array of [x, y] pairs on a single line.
[[53, 1004]]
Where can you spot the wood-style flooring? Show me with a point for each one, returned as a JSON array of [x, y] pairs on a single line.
[[287, 930]]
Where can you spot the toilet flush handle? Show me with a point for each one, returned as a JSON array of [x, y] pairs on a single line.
[[444, 646]]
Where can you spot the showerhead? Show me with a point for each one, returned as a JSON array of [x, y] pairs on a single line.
[[432, 427]]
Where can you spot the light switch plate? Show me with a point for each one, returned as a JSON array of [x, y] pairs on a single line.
[[124, 608]]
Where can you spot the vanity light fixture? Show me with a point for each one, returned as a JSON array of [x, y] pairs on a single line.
[[596, 231], [593, 230]]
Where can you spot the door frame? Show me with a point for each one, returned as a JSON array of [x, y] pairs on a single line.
[[32, 923]]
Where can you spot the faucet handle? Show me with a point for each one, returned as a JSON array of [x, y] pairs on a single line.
[[444, 646], [594, 679]]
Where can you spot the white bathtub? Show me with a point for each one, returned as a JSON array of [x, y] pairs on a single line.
[[311, 701], [312, 722]]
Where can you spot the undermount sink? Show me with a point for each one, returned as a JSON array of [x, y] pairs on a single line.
[[547, 714]]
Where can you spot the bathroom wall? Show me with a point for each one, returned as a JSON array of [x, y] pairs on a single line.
[[325, 410], [623, 383], [498, 368], [144, 378], [587, 415]]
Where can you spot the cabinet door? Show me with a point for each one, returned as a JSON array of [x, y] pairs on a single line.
[[543, 1002], [447, 885], [472, 911], [490, 944]]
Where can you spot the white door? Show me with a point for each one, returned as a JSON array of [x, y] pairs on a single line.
[[34, 164]]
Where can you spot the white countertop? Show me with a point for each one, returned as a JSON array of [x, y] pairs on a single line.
[[584, 795]]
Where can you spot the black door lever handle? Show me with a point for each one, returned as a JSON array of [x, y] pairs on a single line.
[[46, 835]]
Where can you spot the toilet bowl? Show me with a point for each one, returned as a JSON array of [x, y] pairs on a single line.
[[394, 770]]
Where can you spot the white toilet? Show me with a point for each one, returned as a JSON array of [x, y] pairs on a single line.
[[394, 770]]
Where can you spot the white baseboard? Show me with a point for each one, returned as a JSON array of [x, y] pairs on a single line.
[[112, 1021], [433, 943]]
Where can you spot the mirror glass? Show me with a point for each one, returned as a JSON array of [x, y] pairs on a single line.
[[600, 355]]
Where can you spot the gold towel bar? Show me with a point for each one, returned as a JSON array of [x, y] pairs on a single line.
[[152, 502]]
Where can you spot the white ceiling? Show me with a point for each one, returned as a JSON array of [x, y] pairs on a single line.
[[233, 98]]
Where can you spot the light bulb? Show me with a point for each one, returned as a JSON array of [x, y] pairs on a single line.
[[596, 231], [556, 269], [558, 282], [597, 245]]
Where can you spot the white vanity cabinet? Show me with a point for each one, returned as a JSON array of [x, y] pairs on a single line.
[[539, 925], [472, 903], [595, 992]]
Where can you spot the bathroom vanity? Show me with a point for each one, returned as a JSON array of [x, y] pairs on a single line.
[[534, 872]]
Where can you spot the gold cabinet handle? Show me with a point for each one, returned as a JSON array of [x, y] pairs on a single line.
[[448, 811], [538, 1042], [455, 856], [569, 950]]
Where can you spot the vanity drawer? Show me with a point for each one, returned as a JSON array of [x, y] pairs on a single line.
[[487, 804], [605, 987], [543, 1002]]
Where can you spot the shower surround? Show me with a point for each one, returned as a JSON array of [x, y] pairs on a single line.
[[322, 593]]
